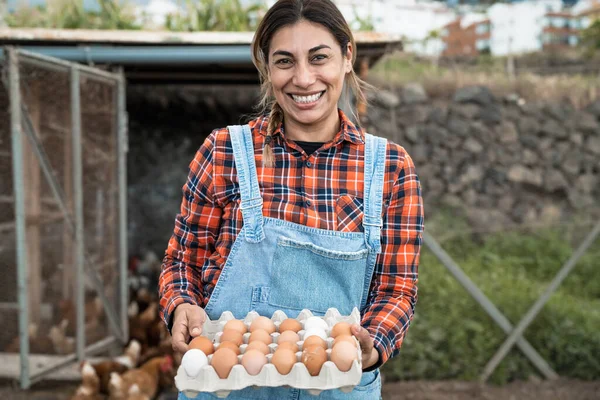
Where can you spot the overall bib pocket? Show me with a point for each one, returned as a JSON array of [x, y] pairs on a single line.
[[304, 275]]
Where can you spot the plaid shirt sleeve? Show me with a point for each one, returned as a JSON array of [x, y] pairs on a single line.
[[393, 292], [193, 241]]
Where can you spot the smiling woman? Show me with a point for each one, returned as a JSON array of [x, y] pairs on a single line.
[[299, 208]]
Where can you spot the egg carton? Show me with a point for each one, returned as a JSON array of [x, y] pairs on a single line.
[[191, 380]]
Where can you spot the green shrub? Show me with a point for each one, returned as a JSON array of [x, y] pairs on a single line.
[[451, 337]]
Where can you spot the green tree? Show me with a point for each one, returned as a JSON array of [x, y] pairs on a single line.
[[215, 15], [590, 37]]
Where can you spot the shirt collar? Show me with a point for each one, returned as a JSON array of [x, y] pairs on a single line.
[[348, 131]]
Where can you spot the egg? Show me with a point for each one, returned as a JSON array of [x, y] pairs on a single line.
[[232, 336], [258, 345], [288, 345], [342, 355], [223, 361], [313, 358], [283, 360], [193, 360], [230, 345], [341, 328], [315, 332], [315, 323], [262, 335], [345, 338], [262, 323], [253, 361], [290, 324], [236, 325], [314, 340], [203, 344], [288, 336]]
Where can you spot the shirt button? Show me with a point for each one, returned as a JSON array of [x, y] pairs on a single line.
[[308, 203], [308, 164]]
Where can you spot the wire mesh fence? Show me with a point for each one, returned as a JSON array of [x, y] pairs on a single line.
[[64, 281]]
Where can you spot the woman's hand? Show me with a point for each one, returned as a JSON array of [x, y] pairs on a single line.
[[369, 354], [187, 323]]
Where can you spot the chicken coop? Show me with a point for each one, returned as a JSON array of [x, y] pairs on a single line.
[[62, 215]]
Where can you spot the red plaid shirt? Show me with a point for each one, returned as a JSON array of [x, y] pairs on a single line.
[[332, 179]]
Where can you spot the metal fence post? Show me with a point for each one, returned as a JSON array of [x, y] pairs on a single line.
[[17, 139], [536, 308]]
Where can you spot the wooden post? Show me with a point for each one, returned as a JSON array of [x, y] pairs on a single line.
[[33, 209], [361, 106]]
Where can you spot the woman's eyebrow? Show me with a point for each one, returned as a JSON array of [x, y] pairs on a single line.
[[288, 54]]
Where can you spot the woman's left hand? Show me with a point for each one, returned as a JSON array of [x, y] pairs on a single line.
[[369, 354]]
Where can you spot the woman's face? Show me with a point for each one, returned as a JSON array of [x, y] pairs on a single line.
[[307, 71]]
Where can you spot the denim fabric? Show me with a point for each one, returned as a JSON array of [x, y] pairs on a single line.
[[279, 265]]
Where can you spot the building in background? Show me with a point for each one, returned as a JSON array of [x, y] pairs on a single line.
[[560, 30], [467, 36]]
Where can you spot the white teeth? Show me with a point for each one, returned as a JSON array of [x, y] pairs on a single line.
[[307, 99]]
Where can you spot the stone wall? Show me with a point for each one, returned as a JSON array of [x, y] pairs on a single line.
[[503, 162]]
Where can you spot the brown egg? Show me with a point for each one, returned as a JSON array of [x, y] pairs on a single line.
[[312, 340], [341, 328], [253, 361], [345, 338], [342, 355], [262, 323], [290, 324], [313, 358], [230, 345], [288, 345], [262, 335], [223, 361], [203, 344], [283, 360], [288, 336], [232, 336], [258, 345], [236, 325]]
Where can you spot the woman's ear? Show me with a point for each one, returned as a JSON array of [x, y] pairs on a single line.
[[348, 60]]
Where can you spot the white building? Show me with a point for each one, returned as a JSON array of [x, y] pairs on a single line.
[[517, 27]]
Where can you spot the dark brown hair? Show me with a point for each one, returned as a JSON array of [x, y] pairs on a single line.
[[289, 12]]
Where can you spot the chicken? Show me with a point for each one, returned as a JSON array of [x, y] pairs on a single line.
[[140, 327], [90, 384], [93, 311], [120, 364], [62, 344], [37, 344], [135, 393], [147, 378]]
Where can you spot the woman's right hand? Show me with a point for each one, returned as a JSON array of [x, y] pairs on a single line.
[[187, 324]]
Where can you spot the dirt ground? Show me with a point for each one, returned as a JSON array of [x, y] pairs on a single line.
[[418, 390]]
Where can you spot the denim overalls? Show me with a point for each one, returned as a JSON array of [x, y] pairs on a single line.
[[279, 265]]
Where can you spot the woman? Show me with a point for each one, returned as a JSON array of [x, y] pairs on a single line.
[[299, 208]]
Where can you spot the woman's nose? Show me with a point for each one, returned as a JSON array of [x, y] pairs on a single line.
[[303, 76]]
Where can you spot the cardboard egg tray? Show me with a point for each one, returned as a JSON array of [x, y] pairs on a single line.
[[330, 377]]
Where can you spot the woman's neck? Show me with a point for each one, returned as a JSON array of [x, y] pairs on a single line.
[[324, 131]]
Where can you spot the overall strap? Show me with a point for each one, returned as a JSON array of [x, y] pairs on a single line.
[[251, 200], [375, 156]]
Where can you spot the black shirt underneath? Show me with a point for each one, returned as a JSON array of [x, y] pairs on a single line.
[[309, 147]]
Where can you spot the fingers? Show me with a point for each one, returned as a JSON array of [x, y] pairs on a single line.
[[366, 343], [196, 318], [180, 334]]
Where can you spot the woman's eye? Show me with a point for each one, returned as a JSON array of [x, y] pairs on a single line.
[[319, 57], [283, 61]]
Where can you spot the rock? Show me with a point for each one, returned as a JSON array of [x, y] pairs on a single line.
[[521, 174], [559, 112], [411, 115], [419, 153], [580, 201], [413, 93], [433, 134], [530, 158], [386, 99], [550, 214], [473, 173], [473, 146], [554, 129], [528, 126], [474, 94], [593, 144], [576, 138], [586, 183], [465, 110], [594, 108], [554, 181], [507, 133], [506, 203], [411, 133], [571, 163], [438, 115], [458, 126], [491, 114], [529, 141], [587, 123]]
